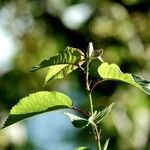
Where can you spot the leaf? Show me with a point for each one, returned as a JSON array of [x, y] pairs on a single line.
[[98, 54], [106, 144], [59, 71], [77, 121], [37, 103], [97, 117], [82, 148], [62, 64], [70, 56], [113, 72], [102, 114], [93, 54], [145, 84]]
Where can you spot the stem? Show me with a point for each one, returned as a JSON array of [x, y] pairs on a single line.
[[81, 111], [97, 137], [88, 85], [94, 127], [95, 84]]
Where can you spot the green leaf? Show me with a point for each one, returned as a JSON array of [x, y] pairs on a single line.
[[70, 56], [59, 71], [77, 121], [113, 72], [37, 103], [93, 54], [106, 144], [97, 54], [145, 84], [62, 64], [82, 148], [97, 117]]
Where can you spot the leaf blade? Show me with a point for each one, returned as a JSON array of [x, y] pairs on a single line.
[[106, 144], [59, 72], [82, 148], [37, 103], [102, 114], [77, 121], [68, 56], [113, 72]]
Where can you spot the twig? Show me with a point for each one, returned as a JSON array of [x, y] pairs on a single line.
[[81, 111], [95, 84]]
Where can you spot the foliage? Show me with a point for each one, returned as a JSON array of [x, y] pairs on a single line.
[[82, 148], [39, 29], [113, 72], [59, 67], [38, 103], [62, 64]]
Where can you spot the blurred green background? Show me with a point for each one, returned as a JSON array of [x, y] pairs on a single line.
[[31, 30]]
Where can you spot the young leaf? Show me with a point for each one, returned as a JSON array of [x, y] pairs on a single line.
[[98, 54], [77, 121], [106, 144], [37, 103], [70, 56], [99, 116], [93, 54], [113, 72], [82, 148], [90, 49]]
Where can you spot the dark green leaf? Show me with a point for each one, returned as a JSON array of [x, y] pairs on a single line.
[[145, 84], [77, 121]]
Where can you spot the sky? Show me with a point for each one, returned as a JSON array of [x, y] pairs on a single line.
[[7, 50]]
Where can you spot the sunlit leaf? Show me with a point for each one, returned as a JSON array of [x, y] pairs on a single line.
[[62, 64], [113, 72], [82, 148], [100, 115], [77, 121], [38, 103], [106, 144], [59, 71], [70, 56]]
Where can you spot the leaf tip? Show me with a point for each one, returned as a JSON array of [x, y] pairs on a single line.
[[106, 144]]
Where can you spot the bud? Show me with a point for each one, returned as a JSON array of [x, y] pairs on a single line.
[[90, 49]]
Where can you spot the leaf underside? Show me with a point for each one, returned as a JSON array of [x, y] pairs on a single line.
[[82, 148], [77, 121], [113, 72], [59, 71], [37, 103]]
